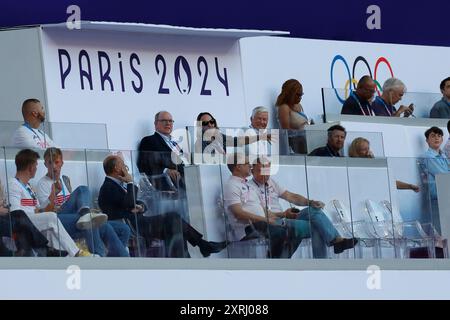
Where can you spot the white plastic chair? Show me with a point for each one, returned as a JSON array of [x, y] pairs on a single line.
[[407, 234], [340, 215]]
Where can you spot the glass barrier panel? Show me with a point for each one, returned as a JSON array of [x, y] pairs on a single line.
[[283, 193], [170, 188], [370, 186], [411, 104], [8, 246], [239, 206], [112, 235], [64, 135], [210, 145], [364, 144], [327, 182]]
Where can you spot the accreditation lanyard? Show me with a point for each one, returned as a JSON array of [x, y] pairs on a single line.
[[385, 106], [245, 191], [264, 194], [370, 112], [27, 125], [60, 199], [28, 202]]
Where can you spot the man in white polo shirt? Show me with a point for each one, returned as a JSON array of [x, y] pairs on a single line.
[[246, 214], [310, 221], [28, 135]]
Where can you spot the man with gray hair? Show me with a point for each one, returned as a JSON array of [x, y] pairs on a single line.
[[258, 122], [393, 91]]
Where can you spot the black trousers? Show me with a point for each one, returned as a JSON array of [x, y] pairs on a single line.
[[169, 227], [27, 236]]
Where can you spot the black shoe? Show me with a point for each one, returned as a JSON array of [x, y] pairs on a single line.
[[208, 247], [345, 244]]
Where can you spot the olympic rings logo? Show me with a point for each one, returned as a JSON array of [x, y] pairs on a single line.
[[351, 77]]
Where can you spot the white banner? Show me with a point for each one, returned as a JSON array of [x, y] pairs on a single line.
[[122, 79]]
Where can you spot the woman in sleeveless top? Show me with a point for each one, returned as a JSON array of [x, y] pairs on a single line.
[[291, 115]]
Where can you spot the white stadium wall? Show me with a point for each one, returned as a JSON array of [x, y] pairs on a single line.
[[21, 71], [268, 61], [255, 68], [153, 73]]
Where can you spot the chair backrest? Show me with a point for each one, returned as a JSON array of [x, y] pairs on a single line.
[[391, 213], [343, 213], [376, 212], [380, 217], [359, 229], [338, 214]]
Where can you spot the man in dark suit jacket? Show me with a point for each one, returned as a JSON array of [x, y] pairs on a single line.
[[117, 198], [159, 154], [359, 102]]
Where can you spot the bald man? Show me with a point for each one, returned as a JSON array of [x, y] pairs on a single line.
[[359, 102], [28, 134], [158, 152]]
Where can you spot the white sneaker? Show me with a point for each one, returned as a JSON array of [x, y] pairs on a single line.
[[91, 220]]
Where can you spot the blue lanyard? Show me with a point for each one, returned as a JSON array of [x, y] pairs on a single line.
[[27, 125], [27, 188], [266, 192], [62, 189], [370, 113], [385, 106]]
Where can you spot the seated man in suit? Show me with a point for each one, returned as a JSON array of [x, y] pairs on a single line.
[[159, 154], [117, 198]]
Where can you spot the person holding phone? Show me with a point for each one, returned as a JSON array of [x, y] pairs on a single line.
[[311, 221], [255, 203], [393, 91]]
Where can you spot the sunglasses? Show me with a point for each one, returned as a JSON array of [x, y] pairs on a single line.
[[205, 123]]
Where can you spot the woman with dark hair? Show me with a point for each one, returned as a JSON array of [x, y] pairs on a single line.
[[210, 140], [291, 115]]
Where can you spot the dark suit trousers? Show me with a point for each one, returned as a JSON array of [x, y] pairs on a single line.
[[171, 228]]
